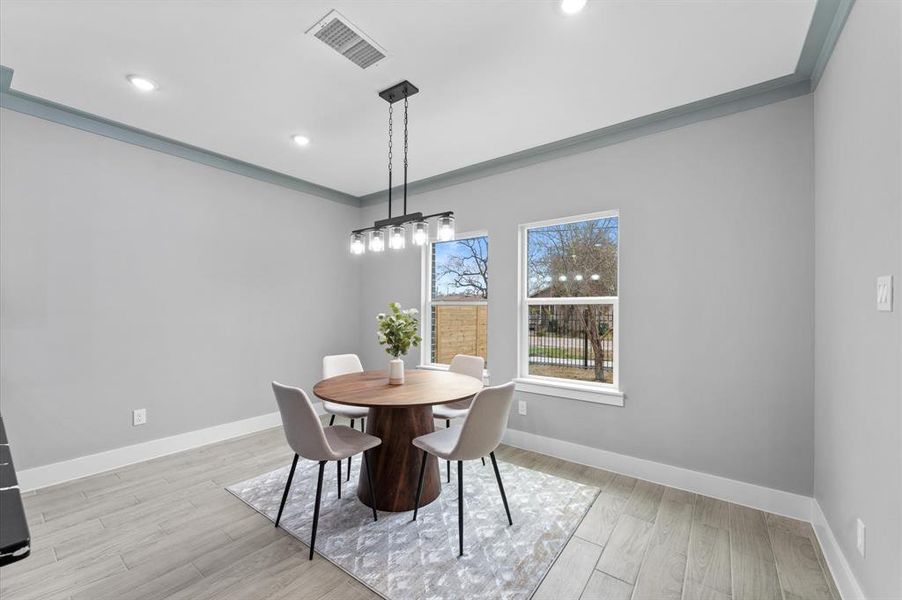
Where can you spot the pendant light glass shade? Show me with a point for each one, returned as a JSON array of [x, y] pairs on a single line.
[[358, 245], [445, 228], [392, 231], [377, 240], [396, 238], [419, 234]]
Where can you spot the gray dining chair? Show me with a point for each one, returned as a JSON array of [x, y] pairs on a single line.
[[333, 366], [308, 438], [480, 434], [464, 364]]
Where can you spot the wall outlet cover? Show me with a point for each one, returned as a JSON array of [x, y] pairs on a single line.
[[861, 536], [139, 417], [885, 293], [521, 407]]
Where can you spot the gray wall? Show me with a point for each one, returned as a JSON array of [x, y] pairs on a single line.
[[716, 296], [858, 451], [133, 279]]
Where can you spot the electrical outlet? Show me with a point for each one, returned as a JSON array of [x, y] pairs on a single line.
[[861, 536], [521, 407], [885, 293], [139, 417]]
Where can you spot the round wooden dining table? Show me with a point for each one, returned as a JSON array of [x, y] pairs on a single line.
[[398, 414]]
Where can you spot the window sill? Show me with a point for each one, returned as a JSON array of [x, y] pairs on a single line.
[[574, 391]]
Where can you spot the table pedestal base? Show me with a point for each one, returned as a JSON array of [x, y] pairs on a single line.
[[396, 462]]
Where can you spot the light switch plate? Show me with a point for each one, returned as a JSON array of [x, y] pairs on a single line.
[[885, 293], [139, 417], [521, 407]]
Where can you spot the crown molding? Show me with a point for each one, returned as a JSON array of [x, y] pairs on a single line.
[[823, 32], [768, 92], [6, 78], [826, 24], [72, 117]]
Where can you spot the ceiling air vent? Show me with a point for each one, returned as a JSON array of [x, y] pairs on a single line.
[[342, 36]]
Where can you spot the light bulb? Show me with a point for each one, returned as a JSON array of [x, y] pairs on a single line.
[[562, 278], [578, 277], [446, 228], [396, 237], [571, 7], [595, 277], [377, 241], [142, 83], [419, 235], [357, 244], [300, 140]]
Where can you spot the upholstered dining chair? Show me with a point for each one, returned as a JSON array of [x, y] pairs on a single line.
[[465, 365], [479, 435], [333, 366], [308, 438]]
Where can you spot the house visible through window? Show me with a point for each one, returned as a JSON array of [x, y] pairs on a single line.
[[570, 305], [458, 292]]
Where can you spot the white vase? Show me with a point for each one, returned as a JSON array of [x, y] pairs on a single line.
[[396, 371]]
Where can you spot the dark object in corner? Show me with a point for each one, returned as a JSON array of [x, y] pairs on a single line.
[[15, 541]]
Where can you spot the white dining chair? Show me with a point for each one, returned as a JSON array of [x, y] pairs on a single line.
[[333, 366], [464, 364], [308, 438], [480, 434]]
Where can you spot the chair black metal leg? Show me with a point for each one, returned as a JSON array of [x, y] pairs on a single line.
[[319, 493], [363, 424], [501, 487], [483, 461], [416, 505], [369, 480], [460, 505], [350, 457], [294, 464], [338, 468], [447, 425], [331, 420]]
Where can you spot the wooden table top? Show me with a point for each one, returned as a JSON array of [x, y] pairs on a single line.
[[420, 388]]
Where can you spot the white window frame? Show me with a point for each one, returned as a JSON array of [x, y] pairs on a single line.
[[426, 302], [586, 391]]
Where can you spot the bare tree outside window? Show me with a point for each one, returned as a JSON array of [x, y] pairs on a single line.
[[461, 269], [574, 263], [458, 299]]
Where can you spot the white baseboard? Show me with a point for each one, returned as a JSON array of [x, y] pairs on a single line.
[[52, 474], [738, 492], [67, 470], [836, 560]]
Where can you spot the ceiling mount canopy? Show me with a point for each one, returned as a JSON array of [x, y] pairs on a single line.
[[393, 231]]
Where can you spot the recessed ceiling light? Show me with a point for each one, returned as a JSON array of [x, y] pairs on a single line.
[[571, 7], [142, 83], [300, 140]]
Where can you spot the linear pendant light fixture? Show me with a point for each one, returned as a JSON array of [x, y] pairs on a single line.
[[392, 232]]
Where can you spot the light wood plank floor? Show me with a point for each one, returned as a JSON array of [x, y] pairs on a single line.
[[167, 528]]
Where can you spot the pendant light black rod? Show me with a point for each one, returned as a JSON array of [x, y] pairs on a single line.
[[405, 151], [390, 109]]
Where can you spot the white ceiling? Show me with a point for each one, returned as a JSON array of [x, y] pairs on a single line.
[[239, 77]]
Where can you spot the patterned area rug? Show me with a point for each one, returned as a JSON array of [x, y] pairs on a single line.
[[402, 559]]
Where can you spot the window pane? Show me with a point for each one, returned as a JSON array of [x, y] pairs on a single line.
[[573, 259], [460, 269], [572, 341], [459, 329]]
